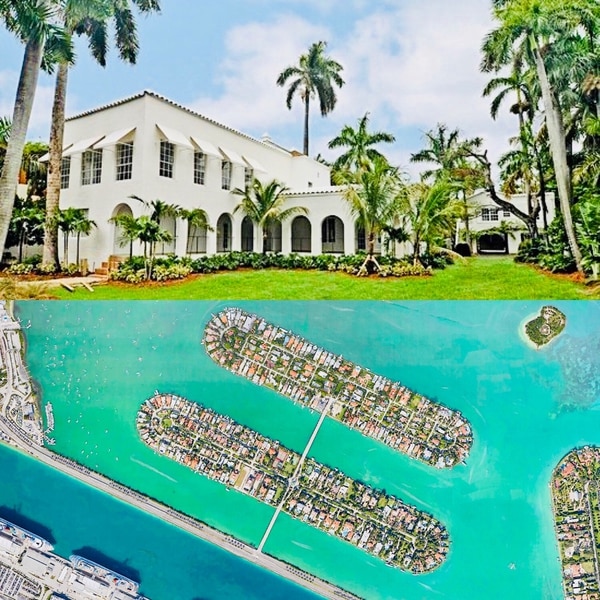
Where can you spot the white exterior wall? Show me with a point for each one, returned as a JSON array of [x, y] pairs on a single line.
[[308, 180], [482, 200]]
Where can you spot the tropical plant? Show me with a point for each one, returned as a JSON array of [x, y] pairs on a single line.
[[27, 225], [82, 227], [129, 230], [430, 213], [315, 75], [374, 196], [33, 22], [66, 221], [359, 144], [196, 218], [542, 30], [264, 205]]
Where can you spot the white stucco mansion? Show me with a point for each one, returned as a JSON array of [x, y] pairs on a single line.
[[153, 148]]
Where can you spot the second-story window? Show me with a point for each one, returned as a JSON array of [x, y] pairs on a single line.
[[489, 214], [167, 159], [124, 161], [199, 167], [65, 172], [225, 175], [248, 176], [91, 167]]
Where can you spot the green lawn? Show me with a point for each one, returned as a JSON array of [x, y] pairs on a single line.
[[473, 279]]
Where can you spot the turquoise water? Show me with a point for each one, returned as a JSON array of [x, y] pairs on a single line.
[[98, 361]]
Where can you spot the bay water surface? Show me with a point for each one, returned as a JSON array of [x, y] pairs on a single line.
[[98, 361]]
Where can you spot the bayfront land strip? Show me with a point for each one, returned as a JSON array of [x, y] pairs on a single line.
[[385, 410], [216, 446], [576, 503]]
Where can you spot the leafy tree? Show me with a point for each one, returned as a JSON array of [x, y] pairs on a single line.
[[82, 227], [430, 213], [263, 204], [374, 196], [196, 217], [541, 30], [27, 225], [359, 144], [315, 75], [33, 22], [89, 18]]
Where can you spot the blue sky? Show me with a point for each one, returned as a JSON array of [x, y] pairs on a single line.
[[410, 63]]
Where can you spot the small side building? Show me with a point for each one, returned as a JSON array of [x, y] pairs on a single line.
[[497, 230]]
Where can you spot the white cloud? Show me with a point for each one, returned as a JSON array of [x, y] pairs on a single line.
[[411, 65], [255, 55]]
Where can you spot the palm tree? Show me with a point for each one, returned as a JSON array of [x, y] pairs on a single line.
[[159, 211], [149, 234], [315, 75], [32, 22], [82, 17], [27, 224], [531, 28], [82, 226], [263, 204], [196, 218], [360, 152], [374, 196], [66, 221], [430, 213], [130, 229]]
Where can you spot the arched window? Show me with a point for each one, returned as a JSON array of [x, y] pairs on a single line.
[[332, 235], [301, 234]]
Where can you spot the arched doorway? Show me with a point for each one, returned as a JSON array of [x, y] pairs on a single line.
[[122, 243], [273, 243], [224, 230], [332, 235], [301, 235], [247, 235]]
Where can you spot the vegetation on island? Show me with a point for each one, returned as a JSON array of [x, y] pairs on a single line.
[[546, 326], [575, 487]]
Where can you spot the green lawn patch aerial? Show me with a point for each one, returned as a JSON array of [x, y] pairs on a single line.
[[472, 279]]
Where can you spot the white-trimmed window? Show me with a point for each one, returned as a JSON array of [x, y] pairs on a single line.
[[506, 213], [489, 214], [199, 167], [124, 161], [166, 159], [65, 172], [248, 176], [225, 175], [91, 167]]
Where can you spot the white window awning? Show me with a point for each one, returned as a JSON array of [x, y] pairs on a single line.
[[175, 137], [113, 138], [82, 145], [46, 157], [254, 164], [206, 147], [232, 157]]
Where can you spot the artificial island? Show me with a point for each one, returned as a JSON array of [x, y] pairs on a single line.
[[543, 328], [223, 450], [576, 503], [378, 407]]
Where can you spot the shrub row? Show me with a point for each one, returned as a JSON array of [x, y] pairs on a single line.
[[171, 267]]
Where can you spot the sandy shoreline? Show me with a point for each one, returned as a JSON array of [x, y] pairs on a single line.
[[522, 333]]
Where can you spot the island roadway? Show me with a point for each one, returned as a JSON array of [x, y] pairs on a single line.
[[19, 440]]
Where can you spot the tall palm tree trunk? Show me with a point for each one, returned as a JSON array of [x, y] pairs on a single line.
[[50, 254], [306, 112], [77, 253], [556, 135], [28, 78]]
